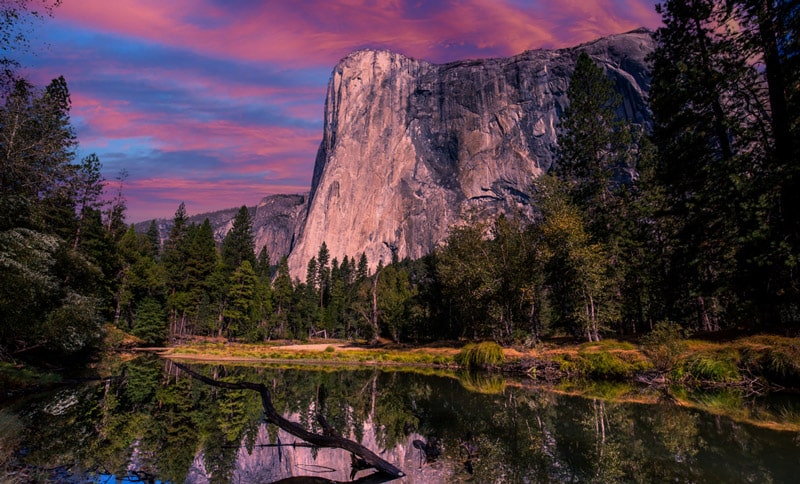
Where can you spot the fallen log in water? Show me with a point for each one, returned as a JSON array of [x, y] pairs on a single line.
[[331, 441]]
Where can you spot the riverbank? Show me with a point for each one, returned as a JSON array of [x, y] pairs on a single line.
[[760, 362]]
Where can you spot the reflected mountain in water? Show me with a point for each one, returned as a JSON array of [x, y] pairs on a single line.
[[272, 459]]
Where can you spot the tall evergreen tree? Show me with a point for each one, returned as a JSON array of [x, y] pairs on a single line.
[[38, 144], [154, 238], [282, 295], [263, 265], [240, 312], [323, 276], [87, 187], [239, 245], [727, 163], [594, 145]]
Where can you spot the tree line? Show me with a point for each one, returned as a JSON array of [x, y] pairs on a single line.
[[692, 220]]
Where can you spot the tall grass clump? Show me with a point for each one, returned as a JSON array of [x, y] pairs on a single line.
[[712, 367], [482, 355], [775, 358], [483, 383]]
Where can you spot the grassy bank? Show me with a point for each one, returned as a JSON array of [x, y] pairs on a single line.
[[753, 361], [319, 352]]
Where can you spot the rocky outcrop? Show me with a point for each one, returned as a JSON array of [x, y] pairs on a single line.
[[276, 220], [411, 148]]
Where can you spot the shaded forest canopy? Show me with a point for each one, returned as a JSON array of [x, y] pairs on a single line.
[[706, 235]]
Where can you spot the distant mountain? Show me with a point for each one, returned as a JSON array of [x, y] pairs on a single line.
[[276, 219]]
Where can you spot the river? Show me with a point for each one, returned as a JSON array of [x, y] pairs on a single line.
[[154, 423]]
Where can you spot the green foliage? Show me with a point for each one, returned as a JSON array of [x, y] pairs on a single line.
[[486, 354], [39, 305], [665, 344], [713, 367], [238, 245], [605, 365], [38, 145], [577, 268], [239, 313], [15, 377], [720, 98], [150, 323], [772, 357]]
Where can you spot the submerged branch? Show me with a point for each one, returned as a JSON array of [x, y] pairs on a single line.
[[298, 430]]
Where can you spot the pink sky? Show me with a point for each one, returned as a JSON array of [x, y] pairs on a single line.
[[218, 103]]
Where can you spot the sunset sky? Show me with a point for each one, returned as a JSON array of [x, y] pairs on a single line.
[[218, 103]]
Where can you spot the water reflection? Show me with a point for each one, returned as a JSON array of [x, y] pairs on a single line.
[[158, 423]]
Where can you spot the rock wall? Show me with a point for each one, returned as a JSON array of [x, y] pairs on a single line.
[[411, 148], [276, 220]]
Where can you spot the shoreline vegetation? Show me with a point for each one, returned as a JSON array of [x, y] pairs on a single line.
[[757, 363], [723, 377]]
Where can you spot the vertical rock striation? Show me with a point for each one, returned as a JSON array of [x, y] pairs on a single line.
[[411, 148], [276, 220]]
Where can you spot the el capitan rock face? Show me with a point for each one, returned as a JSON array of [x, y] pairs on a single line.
[[411, 148]]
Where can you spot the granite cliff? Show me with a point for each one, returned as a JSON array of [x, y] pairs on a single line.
[[411, 148]]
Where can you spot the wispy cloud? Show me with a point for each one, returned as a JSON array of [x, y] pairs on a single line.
[[218, 103]]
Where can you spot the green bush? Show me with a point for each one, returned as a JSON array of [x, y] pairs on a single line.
[[665, 344], [482, 355]]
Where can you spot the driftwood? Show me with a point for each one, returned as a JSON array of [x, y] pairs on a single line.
[[388, 470]]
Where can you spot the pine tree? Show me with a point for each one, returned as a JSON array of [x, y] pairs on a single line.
[[263, 265], [150, 322], [174, 261], [238, 245], [87, 188], [718, 98], [599, 155], [240, 317], [38, 144], [362, 271], [323, 276], [154, 237], [282, 296], [593, 144]]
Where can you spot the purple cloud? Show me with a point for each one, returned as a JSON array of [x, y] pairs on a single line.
[[220, 103]]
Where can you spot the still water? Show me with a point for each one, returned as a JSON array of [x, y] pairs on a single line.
[[155, 424]]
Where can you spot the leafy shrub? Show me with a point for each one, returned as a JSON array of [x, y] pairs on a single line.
[[330, 349], [481, 355], [665, 344]]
